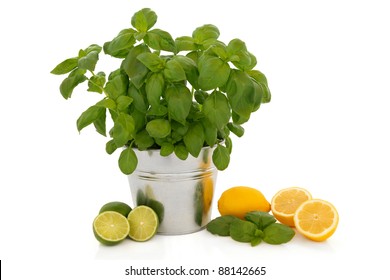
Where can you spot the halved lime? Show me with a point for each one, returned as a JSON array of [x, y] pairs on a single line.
[[116, 206], [110, 227], [143, 223]]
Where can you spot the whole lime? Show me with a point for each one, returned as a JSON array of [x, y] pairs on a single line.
[[116, 206]]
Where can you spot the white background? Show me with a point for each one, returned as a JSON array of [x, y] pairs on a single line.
[[326, 129]]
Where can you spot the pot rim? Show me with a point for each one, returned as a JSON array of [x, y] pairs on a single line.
[[150, 161], [159, 149]]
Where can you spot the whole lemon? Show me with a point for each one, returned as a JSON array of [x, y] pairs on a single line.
[[237, 201]]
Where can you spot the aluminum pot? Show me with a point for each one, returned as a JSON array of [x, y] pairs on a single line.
[[180, 191]]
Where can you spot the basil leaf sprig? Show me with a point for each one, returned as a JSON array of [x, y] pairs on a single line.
[[177, 95], [257, 227]]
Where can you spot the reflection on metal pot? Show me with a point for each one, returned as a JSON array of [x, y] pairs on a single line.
[[181, 192]]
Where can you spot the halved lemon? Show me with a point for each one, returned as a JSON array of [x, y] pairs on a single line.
[[286, 201], [316, 219]]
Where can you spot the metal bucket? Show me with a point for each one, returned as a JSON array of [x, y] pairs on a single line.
[[181, 192]]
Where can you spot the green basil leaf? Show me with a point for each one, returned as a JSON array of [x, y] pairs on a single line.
[[242, 231], [204, 33], [179, 128], [190, 69], [117, 84], [66, 66], [128, 161], [266, 94], [195, 112], [228, 143], [221, 157], [256, 241], [252, 64], [158, 39], [96, 82], [221, 225], [166, 149], [239, 119], [237, 129], [93, 48], [194, 139], [258, 76], [139, 119], [75, 78], [209, 43], [213, 72], [181, 151], [152, 61], [158, 128], [111, 147], [200, 96], [240, 56], [278, 234], [154, 88], [262, 81], [194, 56], [82, 53], [241, 93], [260, 219], [223, 133], [114, 115], [134, 68], [139, 100], [117, 72], [179, 102], [100, 123], [244, 61], [107, 103], [119, 47], [89, 61], [216, 109], [176, 137], [123, 129], [144, 19], [174, 72], [235, 46], [89, 116], [185, 43], [123, 102], [157, 110], [210, 132], [178, 131], [219, 50], [143, 140], [258, 95], [259, 233]]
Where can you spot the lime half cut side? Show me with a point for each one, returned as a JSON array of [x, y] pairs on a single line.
[[143, 223], [110, 227]]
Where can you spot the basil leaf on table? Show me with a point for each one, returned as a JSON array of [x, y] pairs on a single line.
[[278, 234], [260, 219], [221, 225], [242, 231]]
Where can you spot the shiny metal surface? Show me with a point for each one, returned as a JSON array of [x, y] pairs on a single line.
[[181, 192]]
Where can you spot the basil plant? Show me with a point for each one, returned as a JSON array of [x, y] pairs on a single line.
[[176, 95]]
